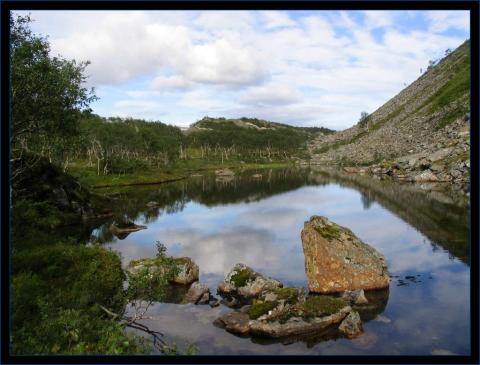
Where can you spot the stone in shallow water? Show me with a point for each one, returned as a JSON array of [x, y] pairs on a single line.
[[356, 297], [188, 269], [351, 326], [337, 261], [245, 283], [198, 294]]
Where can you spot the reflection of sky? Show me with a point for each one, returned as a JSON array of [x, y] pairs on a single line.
[[432, 314]]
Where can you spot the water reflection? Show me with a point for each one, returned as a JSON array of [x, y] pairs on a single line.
[[423, 234]]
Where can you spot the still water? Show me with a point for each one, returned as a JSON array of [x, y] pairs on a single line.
[[219, 222]]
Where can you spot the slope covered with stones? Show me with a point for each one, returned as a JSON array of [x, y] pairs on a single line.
[[430, 115]]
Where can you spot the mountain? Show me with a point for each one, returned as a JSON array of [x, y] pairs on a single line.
[[423, 129]]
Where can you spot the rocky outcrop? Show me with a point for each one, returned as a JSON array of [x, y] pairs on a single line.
[[187, 269], [337, 261], [244, 283]]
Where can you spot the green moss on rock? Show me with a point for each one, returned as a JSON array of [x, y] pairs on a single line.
[[258, 309], [290, 295], [242, 277], [322, 305], [328, 232]]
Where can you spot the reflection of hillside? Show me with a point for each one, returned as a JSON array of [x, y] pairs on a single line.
[[439, 215]]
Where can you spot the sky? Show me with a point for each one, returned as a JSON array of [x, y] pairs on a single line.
[[304, 68]]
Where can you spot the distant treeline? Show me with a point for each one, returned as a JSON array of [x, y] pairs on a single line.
[[121, 145]]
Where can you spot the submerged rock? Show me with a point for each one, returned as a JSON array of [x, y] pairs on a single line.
[[337, 261], [351, 326], [187, 269], [245, 283]]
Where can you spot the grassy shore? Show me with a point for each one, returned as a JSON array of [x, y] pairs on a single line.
[[88, 174]]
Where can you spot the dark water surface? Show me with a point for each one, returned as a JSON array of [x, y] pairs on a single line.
[[257, 221]]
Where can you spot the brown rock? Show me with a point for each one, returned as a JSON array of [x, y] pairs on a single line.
[[337, 261], [235, 322]]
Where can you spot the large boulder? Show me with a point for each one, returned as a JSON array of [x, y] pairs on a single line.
[[246, 283], [187, 269], [337, 261]]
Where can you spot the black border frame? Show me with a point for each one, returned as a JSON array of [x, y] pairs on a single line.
[[12, 5]]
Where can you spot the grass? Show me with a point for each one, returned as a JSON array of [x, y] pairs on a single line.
[[88, 174]]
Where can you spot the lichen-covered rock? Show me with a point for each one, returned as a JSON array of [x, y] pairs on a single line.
[[337, 261], [187, 269], [351, 326], [246, 283], [197, 294]]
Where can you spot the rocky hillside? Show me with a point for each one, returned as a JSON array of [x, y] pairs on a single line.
[[421, 134]]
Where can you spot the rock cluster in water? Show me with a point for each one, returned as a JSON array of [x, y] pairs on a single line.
[[339, 267], [268, 309], [336, 260]]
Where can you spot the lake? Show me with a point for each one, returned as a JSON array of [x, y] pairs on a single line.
[[256, 220]]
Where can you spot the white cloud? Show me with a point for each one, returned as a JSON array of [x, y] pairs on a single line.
[[378, 18], [271, 94], [300, 68], [443, 20], [169, 83]]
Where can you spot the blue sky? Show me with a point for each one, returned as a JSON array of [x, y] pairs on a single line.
[[310, 68]]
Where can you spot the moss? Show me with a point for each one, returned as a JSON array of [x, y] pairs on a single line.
[[290, 295], [322, 305], [328, 232], [258, 309], [242, 277]]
